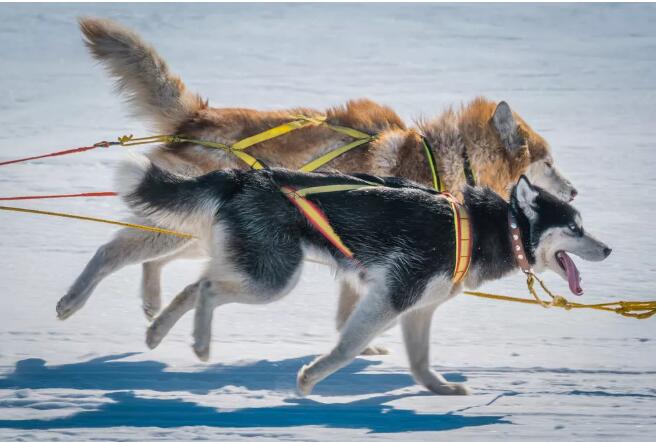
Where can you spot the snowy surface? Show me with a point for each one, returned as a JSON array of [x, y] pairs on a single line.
[[583, 76]]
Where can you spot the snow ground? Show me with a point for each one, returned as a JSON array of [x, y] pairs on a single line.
[[582, 75]]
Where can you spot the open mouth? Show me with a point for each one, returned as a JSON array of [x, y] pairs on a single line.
[[572, 273]]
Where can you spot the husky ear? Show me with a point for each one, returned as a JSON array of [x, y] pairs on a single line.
[[507, 128], [525, 194]]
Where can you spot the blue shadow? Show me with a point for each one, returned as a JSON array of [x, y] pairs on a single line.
[[109, 373], [125, 409], [371, 414]]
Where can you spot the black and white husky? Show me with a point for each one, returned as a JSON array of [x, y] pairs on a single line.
[[401, 235]]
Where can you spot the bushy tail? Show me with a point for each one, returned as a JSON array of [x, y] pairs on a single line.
[[142, 75], [169, 200]]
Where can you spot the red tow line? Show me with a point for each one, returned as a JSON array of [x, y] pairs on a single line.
[[62, 152]]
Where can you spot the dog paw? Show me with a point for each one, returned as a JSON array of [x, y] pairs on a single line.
[[202, 352], [375, 350], [67, 306], [304, 385], [450, 389], [153, 336]]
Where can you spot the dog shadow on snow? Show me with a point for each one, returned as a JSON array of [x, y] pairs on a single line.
[[125, 408]]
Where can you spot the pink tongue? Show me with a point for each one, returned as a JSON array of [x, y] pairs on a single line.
[[572, 272]]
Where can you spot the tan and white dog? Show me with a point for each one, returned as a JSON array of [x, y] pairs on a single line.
[[499, 144]]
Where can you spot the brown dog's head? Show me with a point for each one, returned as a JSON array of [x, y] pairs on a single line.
[[503, 147]]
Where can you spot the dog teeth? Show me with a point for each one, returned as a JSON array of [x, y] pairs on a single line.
[[515, 237], [521, 257], [518, 248], [513, 225]]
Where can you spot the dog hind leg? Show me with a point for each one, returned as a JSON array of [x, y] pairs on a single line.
[[371, 316], [416, 328], [164, 322], [128, 247], [347, 301], [151, 276], [213, 293]]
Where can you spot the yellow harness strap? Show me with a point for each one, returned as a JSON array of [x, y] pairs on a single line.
[[251, 161], [236, 149], [330, 156], [462, 239], [360, 139], [435, 178], [273, 133], [331, 188]]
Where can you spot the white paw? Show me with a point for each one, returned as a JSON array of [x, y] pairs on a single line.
[[67, 306], [304, 385], [202, 352], [153, 336], [375, 350], [450, 389]]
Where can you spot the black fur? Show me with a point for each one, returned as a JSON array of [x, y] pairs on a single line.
[[492, 256], [404, 229]]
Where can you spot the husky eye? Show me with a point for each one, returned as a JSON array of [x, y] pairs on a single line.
[[573, 228], [549, 164]]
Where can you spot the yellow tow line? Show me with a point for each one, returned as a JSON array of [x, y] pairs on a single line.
[[630, 309]]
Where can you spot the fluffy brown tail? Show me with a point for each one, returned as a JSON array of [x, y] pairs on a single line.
[[141, 74]]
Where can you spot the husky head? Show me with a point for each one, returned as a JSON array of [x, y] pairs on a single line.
[[517, 137], [555, 230]]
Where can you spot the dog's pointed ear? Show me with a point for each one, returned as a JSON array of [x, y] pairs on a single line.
[[507, 127], [525, 194]]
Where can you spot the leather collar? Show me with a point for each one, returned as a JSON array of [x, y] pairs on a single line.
[[517, 246]]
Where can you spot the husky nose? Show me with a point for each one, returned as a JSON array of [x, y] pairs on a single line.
[[573, 193], [607, 251]]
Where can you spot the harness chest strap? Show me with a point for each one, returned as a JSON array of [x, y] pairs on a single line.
[[462, 239]]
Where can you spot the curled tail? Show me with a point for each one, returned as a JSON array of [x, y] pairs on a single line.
[[170, 200], [142, 75]]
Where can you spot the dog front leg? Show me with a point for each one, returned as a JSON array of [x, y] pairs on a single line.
[[416, 328], [371, 316], [128, 247]]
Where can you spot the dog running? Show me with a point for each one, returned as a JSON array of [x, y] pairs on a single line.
[[486, 137], [402, 236]]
